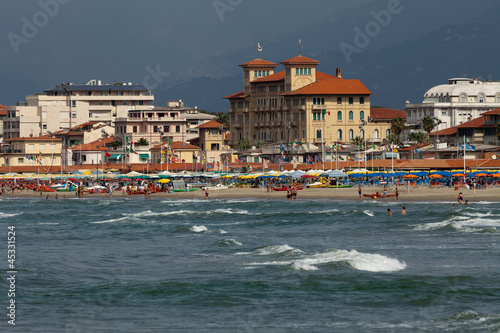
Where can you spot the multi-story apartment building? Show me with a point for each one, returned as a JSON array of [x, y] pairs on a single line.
[[455, 103], [32, 151], [299, 104], [156, 126], [68, 105]]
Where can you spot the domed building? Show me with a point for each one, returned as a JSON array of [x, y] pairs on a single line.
[[455, 103]]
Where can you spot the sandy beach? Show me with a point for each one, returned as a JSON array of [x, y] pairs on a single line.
[[412, 194]]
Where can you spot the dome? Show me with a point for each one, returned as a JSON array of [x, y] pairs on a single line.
[[461, 86]]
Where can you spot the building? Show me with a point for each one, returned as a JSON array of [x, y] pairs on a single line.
[[381, 117], [212, 143], [92, 153], [481, 130], [184, 153], [67, 105], [455, 103], [156, 126], [32, 151], [299, 104], [3, 114]]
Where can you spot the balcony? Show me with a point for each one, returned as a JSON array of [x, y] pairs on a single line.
[[12, 151]]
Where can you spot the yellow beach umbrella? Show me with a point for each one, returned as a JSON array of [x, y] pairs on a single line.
[[164, 180]]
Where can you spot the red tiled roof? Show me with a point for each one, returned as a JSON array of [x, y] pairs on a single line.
[[227, 137], [178, 145], [98, 145], [413, 147], [210, 124], [382, 113], [474, 123], [3, 110], [496, 111], [332, 86], [34, 138], [88, 123], [300, 60], [271, 78], [239, 95], [445, 132], [259, 63]]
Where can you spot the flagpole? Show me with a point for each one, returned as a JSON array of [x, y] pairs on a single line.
[[392, 157], [464, 159]]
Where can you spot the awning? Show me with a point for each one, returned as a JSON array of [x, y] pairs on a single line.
[[143, 155], [116, 156]]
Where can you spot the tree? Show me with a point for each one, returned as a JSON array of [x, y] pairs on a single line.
[[357, 141], [117, 143], [418, 137], [223, 118], [143, 142], [393, 138], [429, 123], [398, 125], [243, 143]]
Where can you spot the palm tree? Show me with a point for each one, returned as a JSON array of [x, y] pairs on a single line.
[[357, 141], [394, 139], [398, 125], [418, 137], [223, 118], [143, 142]]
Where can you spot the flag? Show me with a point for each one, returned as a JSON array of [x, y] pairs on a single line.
[[133, 151], [349, 158], [416, 150], [249, 167], [259, 48], [326, 112], [300, 44], [394, 150], [127, 140], [339, 147], [318, 159], [470, 147], [361, 146], [375, 147], [467, 140], [309, 160], [341, 158], [203, 159], [281, 165], [107, 154]]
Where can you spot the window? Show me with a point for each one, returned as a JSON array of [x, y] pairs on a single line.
[[134, 129], [351, 115], [73, 115], [339, 135], [362, 134], [318, 134], [308, 71], [361, 100], [52, 147], [105, 93], [31, 146], [497, 98], [375, 134], [314, 100], [314, 115], [44, 126], [443, 113], [339, 115], [463, 98], [41, 147], [339, 100], [351, 100], [351, 134], [302, 71], [362, 115], [177, 129], [166, 129], [214, 146], [20, 160], [480, 98], [387, 133], [296, 71]]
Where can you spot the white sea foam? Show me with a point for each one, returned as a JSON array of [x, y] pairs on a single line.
[[222, 232], [333, 210], [371, 262], [367, 212], [5, 215], [230, 241], [48, 223], [276, 249], [111, 221], [148, 213], [198, 228], [231, 211], [463, 223]]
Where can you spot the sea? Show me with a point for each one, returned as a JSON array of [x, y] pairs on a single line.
[[250, 265]]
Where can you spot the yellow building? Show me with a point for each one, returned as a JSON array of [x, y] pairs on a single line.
[[32, 151], [300, 104]]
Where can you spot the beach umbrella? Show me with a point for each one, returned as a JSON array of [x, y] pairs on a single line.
[[306, 176], [297, 174], [410, 176], [481, 174], [435, 175], [458, 174], [336, 173], [164, 180]]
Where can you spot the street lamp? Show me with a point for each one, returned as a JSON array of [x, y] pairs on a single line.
[[361, 127]]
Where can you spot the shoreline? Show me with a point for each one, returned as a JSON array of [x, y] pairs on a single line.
[[422, 194]]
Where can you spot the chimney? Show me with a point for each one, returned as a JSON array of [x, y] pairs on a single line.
[[339, 72]]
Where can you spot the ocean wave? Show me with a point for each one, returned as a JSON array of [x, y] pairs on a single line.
[[367, 212], [198, 228], [371, 262], [5, 215], [328, 211], [47, 223], [229, 242], [222, 232], [462, 223], [110, 221], [276, 249]]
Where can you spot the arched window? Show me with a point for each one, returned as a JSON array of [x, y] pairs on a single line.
[[481, 98], [351, 134], [387, 133], [339, 115], [351, 115], [322, 101], [376, 134], [361, 115], [463, 98], [339, 135], [318, 134], [362, 134], [314, 100]]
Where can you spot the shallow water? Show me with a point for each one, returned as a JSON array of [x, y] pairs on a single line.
[[252, 265]]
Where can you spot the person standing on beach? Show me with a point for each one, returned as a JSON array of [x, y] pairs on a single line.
[[206, 193], [359, 191], [397, 195], [460, 198]]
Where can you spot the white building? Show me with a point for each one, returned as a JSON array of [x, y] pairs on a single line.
[[455, 103], [68, 105]]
